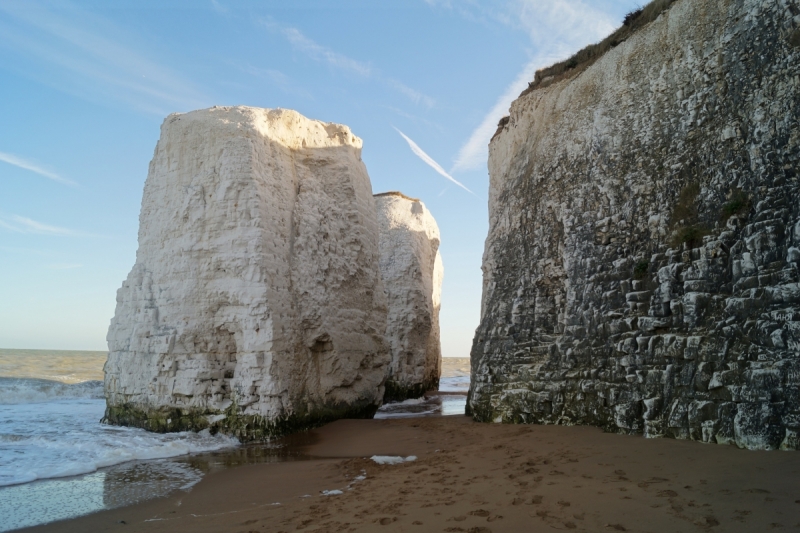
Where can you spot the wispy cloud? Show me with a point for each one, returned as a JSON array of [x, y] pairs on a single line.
[[556, 28], [323, 54], [18, 224], [81, 53], [277, 79], [218, 7], [474, 153], [11, 159], [414, 118], [419, 152], [412, 94], [318, 52]]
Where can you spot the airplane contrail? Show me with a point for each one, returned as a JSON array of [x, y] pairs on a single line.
[[419, 152]]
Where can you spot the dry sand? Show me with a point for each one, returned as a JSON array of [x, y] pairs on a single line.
[[479, 478]]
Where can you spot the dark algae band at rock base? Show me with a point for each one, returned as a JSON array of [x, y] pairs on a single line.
[[641, 268], [247, 428], [281, 294]]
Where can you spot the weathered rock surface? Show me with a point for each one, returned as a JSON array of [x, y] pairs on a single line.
[[411, 269], [641, 267], [255, 305]]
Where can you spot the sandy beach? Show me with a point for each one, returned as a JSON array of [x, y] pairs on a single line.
[[479, 478]]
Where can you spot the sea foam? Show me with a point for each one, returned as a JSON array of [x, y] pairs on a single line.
[[58, 433], [33, 390]]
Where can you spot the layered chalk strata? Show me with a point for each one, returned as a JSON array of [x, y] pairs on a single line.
[[412, 272], [256, 304]]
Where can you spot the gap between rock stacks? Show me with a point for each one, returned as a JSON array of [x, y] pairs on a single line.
[[255, 306]]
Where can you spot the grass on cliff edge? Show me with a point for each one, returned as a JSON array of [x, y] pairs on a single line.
[[633, 21], [583, 59]]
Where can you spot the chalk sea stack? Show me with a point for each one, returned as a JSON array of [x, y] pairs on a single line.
[[255, 306], [412, 272], [641, 267]]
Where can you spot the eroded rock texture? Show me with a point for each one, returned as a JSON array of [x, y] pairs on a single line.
[[255, 305], [412, 273], [641, 267]]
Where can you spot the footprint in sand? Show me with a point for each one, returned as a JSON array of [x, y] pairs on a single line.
[[617, 527], [387, 520], [707, 521], [483, 513], [564, 504], [536, 500], [652, 480], [667, 494]]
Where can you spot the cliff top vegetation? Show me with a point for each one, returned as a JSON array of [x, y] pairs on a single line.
[[395, 193], [633, 22]]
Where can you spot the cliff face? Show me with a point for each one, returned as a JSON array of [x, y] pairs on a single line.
[[641, 267], [412, 272], [255, 305]]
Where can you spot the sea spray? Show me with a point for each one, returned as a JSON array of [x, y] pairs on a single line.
[[64, 437]]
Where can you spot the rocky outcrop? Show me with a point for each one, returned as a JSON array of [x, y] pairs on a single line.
[[255, 305], [412, 272], [641, 267]]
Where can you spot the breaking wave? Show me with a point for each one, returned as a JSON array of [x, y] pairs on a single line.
[[50, 429], [33, 390]]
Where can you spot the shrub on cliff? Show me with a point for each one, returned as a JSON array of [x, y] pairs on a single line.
[[692, 236], [641, 269], [632, 22], [632, 16], [739, 203], [685, 209]]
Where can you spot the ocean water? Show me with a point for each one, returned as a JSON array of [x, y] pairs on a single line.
[[58, 461], [451, 398]]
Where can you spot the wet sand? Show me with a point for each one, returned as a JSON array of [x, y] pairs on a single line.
[[480, 478]]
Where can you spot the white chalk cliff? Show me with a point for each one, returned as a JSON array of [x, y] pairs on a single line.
[[255, 305], [412, 273], [642, 267]]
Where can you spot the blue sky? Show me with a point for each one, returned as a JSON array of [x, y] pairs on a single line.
[[85, 85]]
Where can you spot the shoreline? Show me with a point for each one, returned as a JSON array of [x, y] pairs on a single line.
[[481, 478]]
